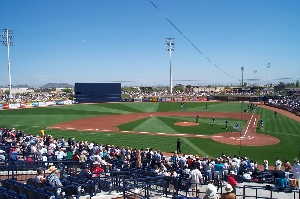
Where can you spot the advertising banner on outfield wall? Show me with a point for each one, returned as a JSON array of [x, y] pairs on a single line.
[[168, 99], [51, 103], [5, 106], [137, 99], [68, 102], [59, 102], [42, 104], [177, 99], [147, 99], [1, 106], [15, 105], [154, 99], [194, 99], [35, 104], [29, 105], [161, 99]]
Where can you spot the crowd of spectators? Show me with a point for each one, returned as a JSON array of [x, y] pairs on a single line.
[[207, 92], [19, 147], [29, 97], [288, 103]]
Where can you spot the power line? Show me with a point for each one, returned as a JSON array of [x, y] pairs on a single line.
[[190, 41]]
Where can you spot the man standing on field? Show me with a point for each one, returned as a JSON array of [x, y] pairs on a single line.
[[197, 118], [178, 146], [226, 124]]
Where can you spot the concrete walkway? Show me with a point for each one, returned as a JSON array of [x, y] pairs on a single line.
[[251, 192]]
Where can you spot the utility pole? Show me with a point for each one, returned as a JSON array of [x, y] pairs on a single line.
[[170, 47], [268, 66]]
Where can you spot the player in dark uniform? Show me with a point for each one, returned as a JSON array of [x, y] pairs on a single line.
[[213, 121], [178, 146], [197, 118], [226, 124]]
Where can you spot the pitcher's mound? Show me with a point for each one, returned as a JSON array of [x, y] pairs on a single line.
[[186, 123]]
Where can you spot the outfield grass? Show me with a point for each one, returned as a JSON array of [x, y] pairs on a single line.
[[287, 130]]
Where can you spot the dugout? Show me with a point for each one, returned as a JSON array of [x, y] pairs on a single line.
[[97, 92]]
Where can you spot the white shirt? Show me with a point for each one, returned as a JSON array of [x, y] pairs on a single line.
[[296, 170], [195, 176], [60, 155], [33, 149], [278, 164], [43, 150], [247, 176]]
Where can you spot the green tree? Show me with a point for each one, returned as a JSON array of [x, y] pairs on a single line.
[[67, 90], [178, 88], [297, 84]]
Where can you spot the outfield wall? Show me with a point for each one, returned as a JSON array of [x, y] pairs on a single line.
[[18, 105]]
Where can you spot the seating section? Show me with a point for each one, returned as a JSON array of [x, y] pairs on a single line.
[[12, 189]]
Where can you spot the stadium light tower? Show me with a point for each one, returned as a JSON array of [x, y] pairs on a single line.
[[170, 47], [255, 71], [7, 41], [242, 69], [268, 66]]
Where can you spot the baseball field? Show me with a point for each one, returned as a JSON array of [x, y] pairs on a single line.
[[159, 125]]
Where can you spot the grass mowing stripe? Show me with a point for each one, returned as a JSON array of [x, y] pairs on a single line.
[[295, 126], [154, 124], [282, 124], [143, 107], [97, 109], [199, 151], [286, 134]]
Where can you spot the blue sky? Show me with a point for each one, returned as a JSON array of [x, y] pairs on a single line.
[[73, 41]]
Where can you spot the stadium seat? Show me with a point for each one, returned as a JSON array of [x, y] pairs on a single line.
[[31, 181], [33, 193], [5, 184], [23, 190], [46, 195]]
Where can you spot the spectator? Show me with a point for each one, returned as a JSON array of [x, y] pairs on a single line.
[[232, 181], [211, 192], [82, 157], [229, 194], [39, 176], [195, 178], [266, 166], [2, 156], [278, 164], [296, 171], [84, 175], [52, 179], [97, 169], [287, 165]]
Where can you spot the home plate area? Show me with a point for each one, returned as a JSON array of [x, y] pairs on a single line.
[[253, 139]]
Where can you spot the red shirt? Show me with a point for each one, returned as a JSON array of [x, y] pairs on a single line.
[[232, 181], [97, 170]]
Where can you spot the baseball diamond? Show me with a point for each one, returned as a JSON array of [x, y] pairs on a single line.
[[247, 137]]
